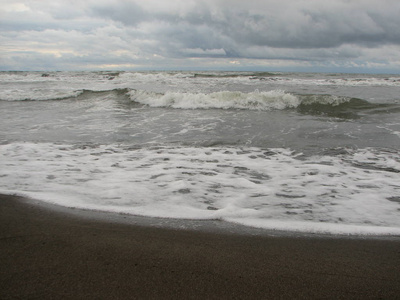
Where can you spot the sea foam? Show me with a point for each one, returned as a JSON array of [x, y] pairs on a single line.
[[256, 100], [353, 193]]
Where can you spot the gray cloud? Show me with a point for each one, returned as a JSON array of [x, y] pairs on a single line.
[[128, 13], [156, 32], [295, 25]]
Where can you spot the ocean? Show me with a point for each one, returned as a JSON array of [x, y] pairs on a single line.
[[300, 152]]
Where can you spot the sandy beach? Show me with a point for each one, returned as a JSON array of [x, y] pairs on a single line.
[[52, 255]]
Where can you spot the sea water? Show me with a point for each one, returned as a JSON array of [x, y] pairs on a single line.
[[286, 151]]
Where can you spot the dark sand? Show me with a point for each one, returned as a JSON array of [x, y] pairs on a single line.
[[52, 255]]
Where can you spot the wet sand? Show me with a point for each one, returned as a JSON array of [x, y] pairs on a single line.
[[46, 254]]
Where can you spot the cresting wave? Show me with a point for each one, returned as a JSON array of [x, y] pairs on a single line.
[[39, 94], [51, 95], [275, 77], [264, 101], [222, 100], [257, 100]]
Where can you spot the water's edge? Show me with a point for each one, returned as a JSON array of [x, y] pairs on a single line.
[[207, 226]]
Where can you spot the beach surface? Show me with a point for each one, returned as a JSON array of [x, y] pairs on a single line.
[[45, 254]]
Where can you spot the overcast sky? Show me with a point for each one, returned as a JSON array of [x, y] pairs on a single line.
[[270, 35]]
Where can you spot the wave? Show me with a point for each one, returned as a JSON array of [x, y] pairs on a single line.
[[126, 78], [272, 100], [52, 95], [333, 106], [39, 95], [393, 81], [251, 75], [313, 104], [87, 94], [263, 101], [341, 107]]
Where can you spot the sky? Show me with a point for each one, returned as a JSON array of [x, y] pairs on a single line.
[[249, 35]]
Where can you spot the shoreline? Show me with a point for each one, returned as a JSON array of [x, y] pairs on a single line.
[[201, 225], [51, 253]]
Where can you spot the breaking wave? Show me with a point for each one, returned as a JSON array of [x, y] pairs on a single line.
[[315, 104], [334, 106], [251, 75], [39, 95], [51, 95], [263, 101], [221, 100]]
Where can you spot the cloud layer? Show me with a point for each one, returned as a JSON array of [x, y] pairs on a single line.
[[346, 35]]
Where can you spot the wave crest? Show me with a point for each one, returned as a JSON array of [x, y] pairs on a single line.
[[334, 106], [51, 95], [263, 101], [271, 100]]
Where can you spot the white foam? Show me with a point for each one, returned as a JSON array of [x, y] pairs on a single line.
[[223, 100], [345, 80], [38, 94], [58, 85], [356, 193], [53, 86], [324, 100]]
